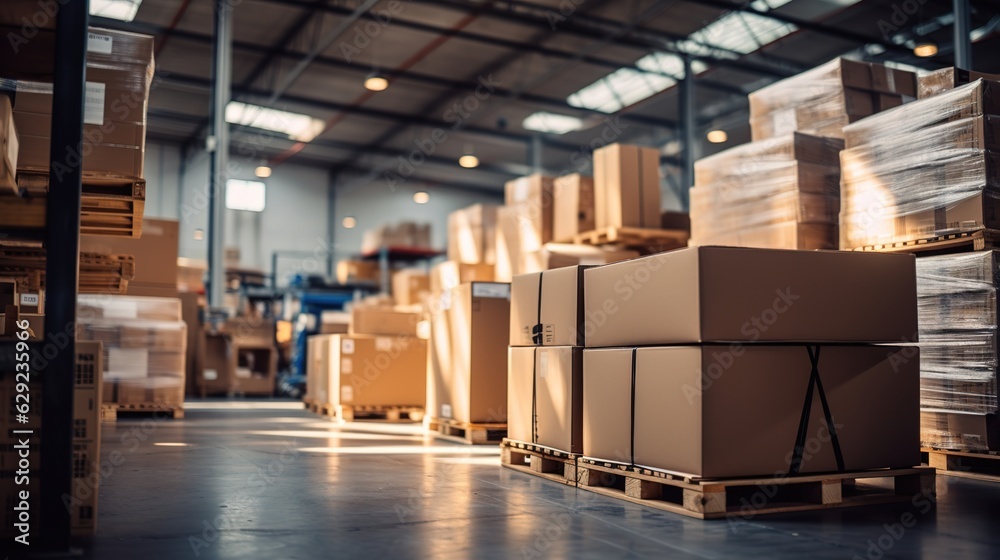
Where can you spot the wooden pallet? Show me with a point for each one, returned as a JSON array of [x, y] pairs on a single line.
[[749, 497], [322, 409], [965, 464], [349, 413], [99, 273], [538, 460], [111, 411], [465, 432], [660, 239], [942, 244], [108, 205]]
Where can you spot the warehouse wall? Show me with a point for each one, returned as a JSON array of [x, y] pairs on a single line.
[[296, 214]]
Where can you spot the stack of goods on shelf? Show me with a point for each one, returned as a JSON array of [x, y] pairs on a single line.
[[823, 100], [781, 193], [145, 344], [958, 350], [119, 75], [82, 500], [154, 254], [626, 187], [410, 287], [22, 299], [467, 367], [352, 271], [691, 355], [545, 360], [404, 235], [922, 171]]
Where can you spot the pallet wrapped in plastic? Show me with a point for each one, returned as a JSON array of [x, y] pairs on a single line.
[[758, 194], [145, 344], [823, 100], [925, 170], [957, 312]]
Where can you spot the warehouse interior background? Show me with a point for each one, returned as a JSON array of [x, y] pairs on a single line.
[[596, 70]]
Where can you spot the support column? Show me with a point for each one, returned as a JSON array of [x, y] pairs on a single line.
[[218, 145], [687, 117], [963, 40]]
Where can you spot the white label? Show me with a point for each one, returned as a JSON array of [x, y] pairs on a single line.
[[97, 43], [346, 366], [93, 109], [543, 365], [210, 375], [347, 346], [383, 344], [121, 309], [446, 411], [346, 393], [29, 299], [491, 290]]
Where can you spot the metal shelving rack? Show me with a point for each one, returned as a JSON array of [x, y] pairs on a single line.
[[388, 255], [50, 535]]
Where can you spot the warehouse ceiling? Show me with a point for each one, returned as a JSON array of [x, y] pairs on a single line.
[[464, 75]]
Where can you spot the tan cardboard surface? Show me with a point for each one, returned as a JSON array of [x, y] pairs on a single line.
[[383, 321], [378, 370], [573, 207], [606, 403], [559, 314], [719, 294]]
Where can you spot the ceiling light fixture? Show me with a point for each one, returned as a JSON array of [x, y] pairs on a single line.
[[349, 222], [376, 82], [421, 197], [468, 161], [925, 49], [717, 136], [262, 171]]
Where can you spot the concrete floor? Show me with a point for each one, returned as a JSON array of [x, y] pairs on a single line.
[[270, 481]]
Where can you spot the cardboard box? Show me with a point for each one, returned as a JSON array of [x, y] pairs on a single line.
[[450, 274], [724, 294], [735, 411], [217, 364], [8, 145], [783, 235], [377, 371], [949, 78], [959, 431], [533, 195], [574, 206], [546, 385], [352, 271], [473, 386], [383, 321], [559, 255], [319, 368], [36, 325], [410, 287], [471, 234], [546, 308], [627, 186], [155, 256], [334, 322]]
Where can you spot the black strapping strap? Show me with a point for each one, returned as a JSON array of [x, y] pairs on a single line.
[[534, 395], [631, 445], [815, 383], [537, 331]]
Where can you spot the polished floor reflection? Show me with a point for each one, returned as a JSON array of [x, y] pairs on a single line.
[[270, 481]]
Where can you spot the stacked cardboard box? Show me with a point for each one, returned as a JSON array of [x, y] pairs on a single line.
[[467, 366], [825, 99], [927, 169], [781, 193], [958, 348], [545, 359], [472, 234], [626, 187], [692, 355], [155, 253], [401, 235], [82, 499], [524, 223], [947, 79], [145, 342], [119, 74], [350, 271], [575, 210], [9, 146], [410, 287]]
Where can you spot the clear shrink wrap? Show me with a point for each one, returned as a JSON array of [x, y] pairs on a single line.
[[957, 312], [762, 194], [924, 170], [823, 100], [145, 344]]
